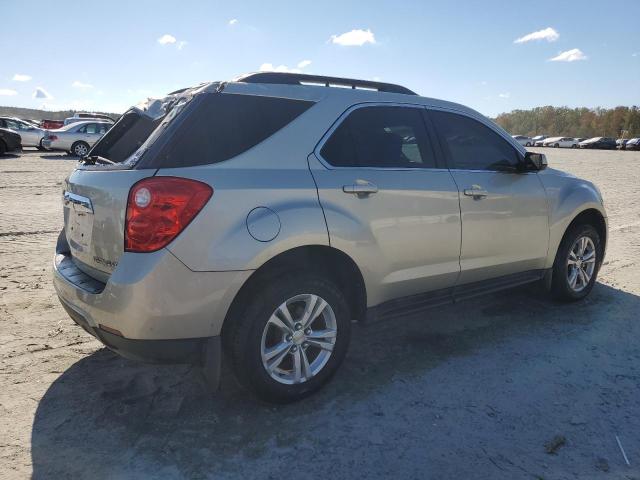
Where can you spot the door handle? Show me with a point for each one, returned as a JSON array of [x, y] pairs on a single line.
[[360, 188], [476, 192]]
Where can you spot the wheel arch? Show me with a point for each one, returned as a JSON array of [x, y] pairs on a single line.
[[330, 261], [593, 217]]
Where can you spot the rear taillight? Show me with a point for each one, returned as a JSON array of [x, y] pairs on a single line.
[[159, 208]]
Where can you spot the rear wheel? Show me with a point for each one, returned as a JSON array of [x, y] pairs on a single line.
[[556, 145], [80, 149], [528, 144], [577, 263], [290, 338]]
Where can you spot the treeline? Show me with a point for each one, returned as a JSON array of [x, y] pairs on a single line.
[[573, 122], [35, 114]]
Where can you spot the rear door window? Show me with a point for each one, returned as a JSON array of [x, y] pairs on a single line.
[[222, 125], [380, 137]]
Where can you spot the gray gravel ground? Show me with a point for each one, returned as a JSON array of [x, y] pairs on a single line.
[[474, 390]]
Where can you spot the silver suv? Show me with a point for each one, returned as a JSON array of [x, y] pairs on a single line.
[[259, 217]]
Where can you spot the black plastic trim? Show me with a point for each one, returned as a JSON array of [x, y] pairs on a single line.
[[283, 78]]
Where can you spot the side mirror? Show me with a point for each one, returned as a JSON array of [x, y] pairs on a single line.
[[535, 161]]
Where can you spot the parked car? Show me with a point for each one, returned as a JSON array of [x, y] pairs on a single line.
[[48, 124], [10, 141], [31, 136], [632, 144], [621, 143], [523, 140], [80, 117], [538, 140], [580, 139], [602, 143], [75, 138], [264, 214], [561, 142]]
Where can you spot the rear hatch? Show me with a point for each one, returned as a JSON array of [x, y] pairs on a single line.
[[95, 194]]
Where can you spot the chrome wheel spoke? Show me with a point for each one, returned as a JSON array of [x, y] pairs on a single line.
[[573, 277], [276, 322], [274, 356], [313, 311], [285, 314], [322, 334], [321, 343]]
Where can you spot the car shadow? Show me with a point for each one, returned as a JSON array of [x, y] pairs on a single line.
[[58, 156], [113, 418], [9, 156]]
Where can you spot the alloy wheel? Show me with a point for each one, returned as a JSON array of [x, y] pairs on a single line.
[[581, 263], [298, 339]]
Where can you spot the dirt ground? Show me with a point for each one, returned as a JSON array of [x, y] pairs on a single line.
[[474, 390]]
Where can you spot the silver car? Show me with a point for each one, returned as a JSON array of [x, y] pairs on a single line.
[[523, 140], [259, 217], [31, 135], [76, 138]]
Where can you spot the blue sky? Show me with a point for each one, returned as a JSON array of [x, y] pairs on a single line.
[[109, 55]]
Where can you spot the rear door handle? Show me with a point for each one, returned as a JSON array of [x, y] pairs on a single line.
[[360, 188], [475, 192]]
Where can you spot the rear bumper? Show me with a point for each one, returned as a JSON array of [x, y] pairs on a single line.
[[149, 297], [186, 350]]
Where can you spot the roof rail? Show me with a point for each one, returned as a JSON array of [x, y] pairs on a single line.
[[304, 79]]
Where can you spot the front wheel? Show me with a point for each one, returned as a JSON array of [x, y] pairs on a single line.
[[290, 338], [577, 263], [528, 144]]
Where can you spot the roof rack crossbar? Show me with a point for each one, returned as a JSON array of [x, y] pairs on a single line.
[[303, 78]]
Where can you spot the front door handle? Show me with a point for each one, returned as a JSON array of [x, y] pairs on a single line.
[[475, 191], [360, 188]]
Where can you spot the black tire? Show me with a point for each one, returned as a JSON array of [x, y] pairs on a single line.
[[78, 147], [560, 288], [3, 148], [528, 144], [556, 146], [243, 338]]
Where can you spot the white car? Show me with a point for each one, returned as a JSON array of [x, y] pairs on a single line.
[[523, 140], [81, 117], [561, 142], [31, 135], [76, 138]]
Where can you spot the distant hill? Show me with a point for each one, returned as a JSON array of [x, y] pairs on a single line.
[[34, 114]]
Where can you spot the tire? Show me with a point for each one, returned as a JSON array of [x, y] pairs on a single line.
[[574, 146], [561, 286], [80, 149], [556, 146], [3, 148], [253, 337], [528, 144]]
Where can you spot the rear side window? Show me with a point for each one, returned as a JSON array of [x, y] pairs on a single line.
[[381, 137], [224, 125], [472, 145]]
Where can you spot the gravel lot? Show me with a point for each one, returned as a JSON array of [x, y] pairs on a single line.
[[474, 390]]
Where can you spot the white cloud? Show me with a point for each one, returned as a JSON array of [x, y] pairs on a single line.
[[18, 77], [548, 34], [40, 92], [7, 92], [181, 44], [569, 56], [233, 21], [269, 67], [304, 63], [81, 85], [504, 95], [166, 39], [635, 54], [354, 38]]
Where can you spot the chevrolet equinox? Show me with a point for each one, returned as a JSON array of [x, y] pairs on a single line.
[[255, 219]]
